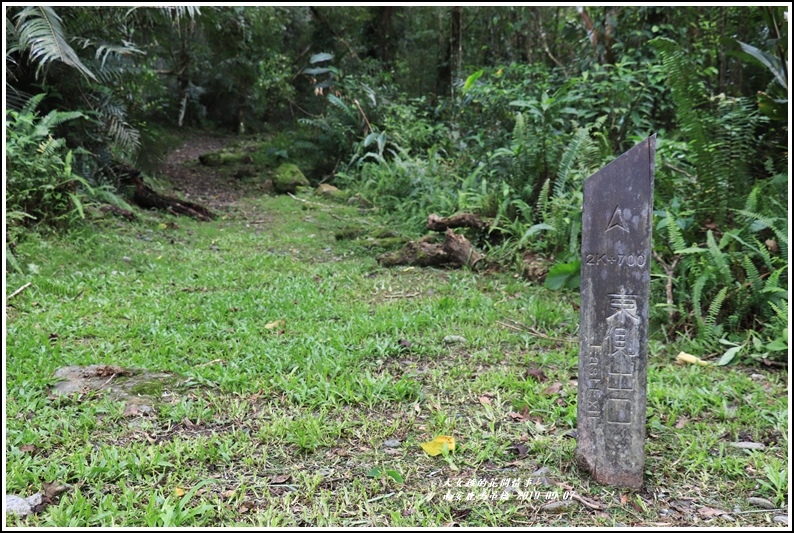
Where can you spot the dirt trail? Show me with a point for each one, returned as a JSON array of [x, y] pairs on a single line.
[[199, 183]]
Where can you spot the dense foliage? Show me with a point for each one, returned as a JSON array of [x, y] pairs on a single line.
[[498, 110]]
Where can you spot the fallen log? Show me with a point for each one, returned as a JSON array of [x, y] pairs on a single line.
[[118, 211], [455, 251], [461, 220], [147, 198]]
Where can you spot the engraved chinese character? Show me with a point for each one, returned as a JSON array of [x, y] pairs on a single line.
[[623, 341], [625, 306]]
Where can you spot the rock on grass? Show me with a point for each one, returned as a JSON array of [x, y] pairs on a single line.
[[288, 178]]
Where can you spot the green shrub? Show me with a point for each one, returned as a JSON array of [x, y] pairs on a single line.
[[40, 184]]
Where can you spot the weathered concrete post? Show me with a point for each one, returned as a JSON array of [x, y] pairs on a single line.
[[613, 338]]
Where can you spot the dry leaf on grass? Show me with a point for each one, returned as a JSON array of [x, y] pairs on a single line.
[[552, 389], [53, 489], [440, 444], [522, 416], [708, 512], [245, 507], [29, 448], [537, 374], [521, 449]]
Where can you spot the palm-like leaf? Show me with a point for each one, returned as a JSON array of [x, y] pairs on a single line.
[[175, 13], [39, 30]]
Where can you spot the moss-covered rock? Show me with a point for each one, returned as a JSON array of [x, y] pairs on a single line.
[[360, 201], [329, 191], [211, 159], [222, 158], [288, 177], [348, 233]]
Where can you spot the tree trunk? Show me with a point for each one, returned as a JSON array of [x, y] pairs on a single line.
[[601, 42], [456, 48], [455, 251], [444, 65], [385, 36]]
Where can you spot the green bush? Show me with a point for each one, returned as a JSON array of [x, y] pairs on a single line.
[[40, 184]]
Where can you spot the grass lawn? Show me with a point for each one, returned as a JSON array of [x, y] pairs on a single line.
[[305, 378]]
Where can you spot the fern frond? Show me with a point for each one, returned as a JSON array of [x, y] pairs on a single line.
[[575, 148], [755, 246], [49, 147], [574, 242], [762, 222], [674, 235], [520, 131], [718, 257], [40, 31], [697, 292], [52, 119], [106, 195], [543, 202], [31, 105], [781, 311], [113, 117], [772, 283], [752, 274], [714, 308], [733, 145], [763, 252], [336, 101], [751, 204]]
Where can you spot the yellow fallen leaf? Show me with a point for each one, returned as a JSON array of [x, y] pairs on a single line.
[[691, 359], [275, 324], [439, 445], [179, 491]]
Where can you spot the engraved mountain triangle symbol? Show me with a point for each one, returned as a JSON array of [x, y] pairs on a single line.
[[617, 221]]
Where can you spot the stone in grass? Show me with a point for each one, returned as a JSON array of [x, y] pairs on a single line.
[[454, 339], [761, 502], [211, 159], [559, 506], [288, 178], [329, 191], [392, 443], [22, 506], [744, 445], [360, 201]]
